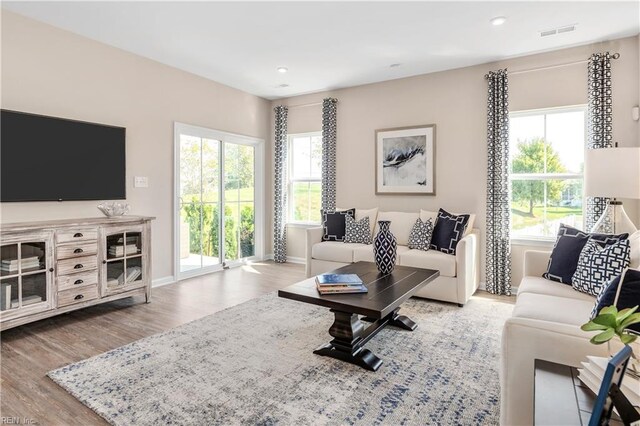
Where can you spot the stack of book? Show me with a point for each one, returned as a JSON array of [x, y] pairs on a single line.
[[339, 284], [592, 373], [11, 266], [119, 250]]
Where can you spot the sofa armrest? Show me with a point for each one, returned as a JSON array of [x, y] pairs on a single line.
[[535, 262], [468, 265], [314, 235]]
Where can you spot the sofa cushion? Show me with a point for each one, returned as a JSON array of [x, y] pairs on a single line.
[[553, 309], [448, 230], [334, 251], [634, 243], [597, 266], [357, 231], [334, 224], [365, 253], [401, 224], [426, 214], [420, 236], [539, 285], [430, 259]]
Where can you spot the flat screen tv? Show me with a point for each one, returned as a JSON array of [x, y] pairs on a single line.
[[54, 159]]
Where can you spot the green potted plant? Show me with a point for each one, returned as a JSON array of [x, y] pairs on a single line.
[[610, 323]]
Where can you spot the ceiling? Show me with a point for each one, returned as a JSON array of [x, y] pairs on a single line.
[[331, 45]]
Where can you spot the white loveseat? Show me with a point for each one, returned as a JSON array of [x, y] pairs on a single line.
[[459, 273], [545, 324]]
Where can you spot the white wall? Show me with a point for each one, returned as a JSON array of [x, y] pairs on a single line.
[[456, 102], [49, 71]]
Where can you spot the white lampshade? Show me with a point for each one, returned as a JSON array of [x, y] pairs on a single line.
[[612, 172]]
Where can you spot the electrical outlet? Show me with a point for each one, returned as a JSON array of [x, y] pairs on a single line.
[[140, 182]]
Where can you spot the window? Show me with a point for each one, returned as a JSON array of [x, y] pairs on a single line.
[[305, 174], [546, 149]]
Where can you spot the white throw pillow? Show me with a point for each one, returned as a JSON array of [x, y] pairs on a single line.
[[634, 243], [426, 214]]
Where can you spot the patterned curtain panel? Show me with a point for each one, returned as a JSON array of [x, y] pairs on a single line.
[[498, 254], [329, 112], [599, 121], [280, 186]]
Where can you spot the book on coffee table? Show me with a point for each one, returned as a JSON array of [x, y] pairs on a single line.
[[338, 280], [341, 289]]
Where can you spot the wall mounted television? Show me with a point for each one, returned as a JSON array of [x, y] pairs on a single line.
[[54, 159]]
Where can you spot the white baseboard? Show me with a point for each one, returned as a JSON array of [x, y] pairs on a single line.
[[290, 259], [483, 286], [159, 282]]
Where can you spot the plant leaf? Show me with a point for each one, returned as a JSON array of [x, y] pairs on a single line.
[[609, 310], [603, 337], [592, 326], [632, 319], [606, 319], [623, 314], [628, 338]]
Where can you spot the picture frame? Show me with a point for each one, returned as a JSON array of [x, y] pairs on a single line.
[[405, 160]]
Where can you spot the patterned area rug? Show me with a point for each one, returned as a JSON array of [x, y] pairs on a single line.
[[253, 364]]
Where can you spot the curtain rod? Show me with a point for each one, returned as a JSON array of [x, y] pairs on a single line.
[[549, 67], [303, 105]]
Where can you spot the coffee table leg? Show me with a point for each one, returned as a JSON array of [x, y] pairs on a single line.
[[402, 321], [347, 331]]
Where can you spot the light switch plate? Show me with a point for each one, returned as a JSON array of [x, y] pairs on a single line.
[[140, 182]]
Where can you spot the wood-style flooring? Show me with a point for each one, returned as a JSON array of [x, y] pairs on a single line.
[[30, 351]]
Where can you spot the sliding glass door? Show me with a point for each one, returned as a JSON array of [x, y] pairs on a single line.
[[217, 222]]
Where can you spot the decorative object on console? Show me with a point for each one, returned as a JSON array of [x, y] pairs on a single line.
[[405, 160], [421, 234], [334, 224], [357, 231], [567, 248], [598, 265], [114, 209], [615, 173], [384, 248], [449, 229]]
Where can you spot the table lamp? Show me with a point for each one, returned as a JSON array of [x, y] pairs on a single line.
[[613, 173]]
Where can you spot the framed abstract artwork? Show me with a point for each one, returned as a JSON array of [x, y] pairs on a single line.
[[405, 160]]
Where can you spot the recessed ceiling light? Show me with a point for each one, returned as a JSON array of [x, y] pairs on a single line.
[[283, 85], [283, 69], [394, 65], [498, 20]]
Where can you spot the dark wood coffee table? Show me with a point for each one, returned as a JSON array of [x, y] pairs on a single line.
[[379, 306]]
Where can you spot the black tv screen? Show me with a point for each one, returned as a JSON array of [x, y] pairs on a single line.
[[54, 159]]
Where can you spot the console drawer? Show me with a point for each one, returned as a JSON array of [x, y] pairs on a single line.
[[77, 295], [76, 250], [78, 264], [78, 280], [79, 234]]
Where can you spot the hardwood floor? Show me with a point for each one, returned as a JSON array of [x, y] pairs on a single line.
[[30, 351]]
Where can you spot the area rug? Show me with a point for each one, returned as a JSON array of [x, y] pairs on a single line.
[[253, 364]]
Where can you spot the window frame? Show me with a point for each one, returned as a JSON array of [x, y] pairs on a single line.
[[291, 180], [533, 239]]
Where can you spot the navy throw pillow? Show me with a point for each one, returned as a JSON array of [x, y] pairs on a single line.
[[449, 229], [628, 298], [566, 251], [334, 224]]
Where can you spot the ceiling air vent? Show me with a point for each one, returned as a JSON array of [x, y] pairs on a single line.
[[558, 30]]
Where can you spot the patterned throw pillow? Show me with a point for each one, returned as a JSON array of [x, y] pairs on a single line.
[[421, 233], [357, 231], [623, 292], [566, 251], [334, 224], [448, 230], [597, 266]]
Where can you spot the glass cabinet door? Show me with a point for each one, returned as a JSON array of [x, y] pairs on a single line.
[[23, 275], [124, 265]]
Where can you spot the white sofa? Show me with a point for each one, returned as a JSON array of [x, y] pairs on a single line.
[[459, 274], [545, 325]]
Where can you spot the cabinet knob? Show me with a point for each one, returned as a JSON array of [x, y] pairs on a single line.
[[104, 262], [78, 297], [78, 266], [50, 269], [78, 250], [78, 235]]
